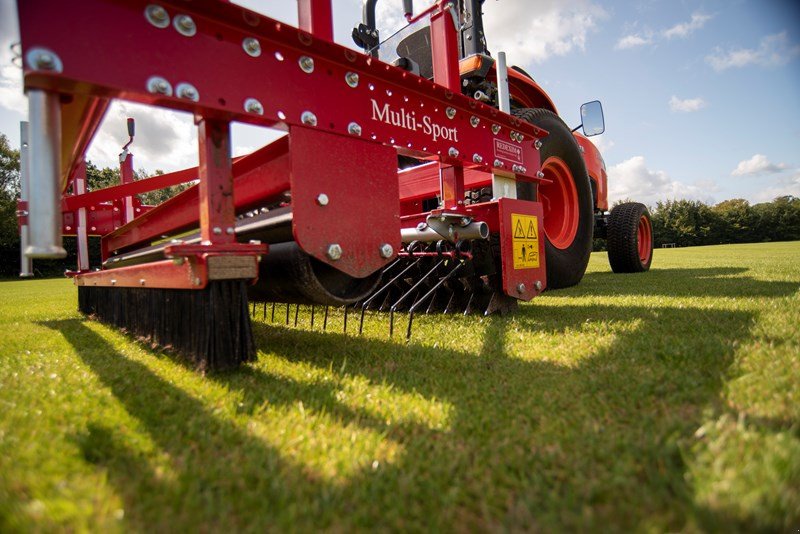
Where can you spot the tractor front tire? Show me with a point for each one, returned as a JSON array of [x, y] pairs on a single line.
[[630, 238], [566, 200]]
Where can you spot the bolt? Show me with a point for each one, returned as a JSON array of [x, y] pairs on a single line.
[[187, 91], [45, 61], [386, 250], [498, 163], [306, 64], [523, 169], [453, 152], [495, 128], [474, 121], [251, 105], [197, 281], [141, 281], [334, 251], [477, 158], [520, 288], [538, 285], [251, 46], [354, 129], [450, 112], [539, 174], [520, 137], [185, 25], [515, 168], [322, 199], [113, 282], [157, 16], [351, 78], [308, 118], [465, 221], [217, 230], [230, 231], [160, 86], [537, 144], [421, 226]]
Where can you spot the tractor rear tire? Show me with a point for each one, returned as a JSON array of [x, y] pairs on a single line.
[[567, 200], [630, 238]]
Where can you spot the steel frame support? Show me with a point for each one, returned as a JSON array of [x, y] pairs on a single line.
[[26, 264], [79, 188], [217, 213], [316, 17]]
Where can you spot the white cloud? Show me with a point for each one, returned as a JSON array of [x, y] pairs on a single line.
[[685, 28], [603, 143], [687, 105], [165, 139], [633, 179], [533, 34], [633, 40], [758, 164], [772, 51], [789, 185], [11, 96]]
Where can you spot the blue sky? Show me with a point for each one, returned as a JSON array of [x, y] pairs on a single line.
[[702, 98]]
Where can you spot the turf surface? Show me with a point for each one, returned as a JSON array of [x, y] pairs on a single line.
[[668, 400]]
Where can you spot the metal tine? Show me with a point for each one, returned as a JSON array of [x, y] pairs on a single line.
[[296, 312], [409, 292], [426, 296], [380, 291], [345, 318], [264, 317], [253, 313], [273, 313], [287, 313], [325, 320], [312, 317]]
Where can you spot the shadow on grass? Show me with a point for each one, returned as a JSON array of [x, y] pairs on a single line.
[[530, 444], [701, 282]]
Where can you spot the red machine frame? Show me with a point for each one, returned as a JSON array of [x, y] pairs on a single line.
[[347, 114]]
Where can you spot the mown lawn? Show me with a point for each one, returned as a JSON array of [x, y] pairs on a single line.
[[663, 401]]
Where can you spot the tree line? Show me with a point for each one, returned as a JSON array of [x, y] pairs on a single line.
[[683, 223]]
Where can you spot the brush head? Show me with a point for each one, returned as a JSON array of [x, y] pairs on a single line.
[[209, 326]]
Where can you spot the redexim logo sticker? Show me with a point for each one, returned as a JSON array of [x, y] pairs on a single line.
[[410, 121]]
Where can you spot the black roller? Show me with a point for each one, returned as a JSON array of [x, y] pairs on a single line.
[[287, 274]]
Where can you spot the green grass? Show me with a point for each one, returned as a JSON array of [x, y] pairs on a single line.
[[656, 402]]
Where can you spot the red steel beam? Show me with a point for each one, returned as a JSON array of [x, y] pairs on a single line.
[[217, 211], [315, 16]]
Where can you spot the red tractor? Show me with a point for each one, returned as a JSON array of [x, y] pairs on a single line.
[[423, 175]]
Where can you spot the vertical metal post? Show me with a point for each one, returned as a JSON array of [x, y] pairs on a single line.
[[316, 17], [504, 184], [217, 214], [444, 49], [452, 186], [25, 263], [126, 177], [79, 185], [44, 164]]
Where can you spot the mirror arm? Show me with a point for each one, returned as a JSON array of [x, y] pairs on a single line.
[[578, 127]]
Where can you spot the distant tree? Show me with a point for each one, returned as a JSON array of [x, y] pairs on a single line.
[[736, 222], [684, 222]]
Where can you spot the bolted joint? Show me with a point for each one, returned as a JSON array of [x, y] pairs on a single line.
[[354, 129], [334, 251], [351, 79], [495, 129], [538, 285], [157, 16], [498, 163], [450, 112], [306, 64], [44, 59], [537, 144], [386, 250], [477, 158], [453, 152], [251, 105], [187, 91], [159, 86], [322, 199], [251, 46], [184, 24], [520, 288], [308, 118], [474, 121]]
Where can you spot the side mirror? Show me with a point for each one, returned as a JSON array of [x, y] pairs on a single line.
[[592, 120]]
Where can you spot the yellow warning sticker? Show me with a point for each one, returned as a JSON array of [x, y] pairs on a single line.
[[525, 241]]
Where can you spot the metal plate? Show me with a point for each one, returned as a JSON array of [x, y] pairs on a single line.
[[521, 274]]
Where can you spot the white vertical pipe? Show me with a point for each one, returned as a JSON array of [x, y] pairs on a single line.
[[83, 236], [25, 263], [505, 184], [44, 162], [503, 98]]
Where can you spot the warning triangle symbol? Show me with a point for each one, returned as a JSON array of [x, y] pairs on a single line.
[[518, 231], [531, 231]]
